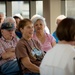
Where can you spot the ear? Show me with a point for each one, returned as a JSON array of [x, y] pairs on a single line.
[[21, 29], [1, 30]]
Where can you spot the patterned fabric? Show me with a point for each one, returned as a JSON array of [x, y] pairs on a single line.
[[5, 44]]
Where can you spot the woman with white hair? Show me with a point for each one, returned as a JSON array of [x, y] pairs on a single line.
[[58, 20], [40, 34]]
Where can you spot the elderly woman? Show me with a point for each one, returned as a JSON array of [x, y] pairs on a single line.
[[28, 50], [40, 34]]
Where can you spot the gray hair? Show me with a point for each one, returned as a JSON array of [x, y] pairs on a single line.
[[39, 17]]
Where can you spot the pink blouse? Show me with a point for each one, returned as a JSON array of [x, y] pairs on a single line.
[[47, 45]]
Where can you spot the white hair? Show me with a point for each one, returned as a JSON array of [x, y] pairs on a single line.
[[36, 17], [60, 17], [18, 15]]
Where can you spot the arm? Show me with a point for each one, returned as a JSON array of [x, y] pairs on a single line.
[[27, 63], [53, 43], [10, 52]]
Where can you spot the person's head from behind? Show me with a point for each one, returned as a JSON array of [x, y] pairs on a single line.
[[59, 19], [7, 30], [66, 30], [39, 23], [2, 17], [26, 28]]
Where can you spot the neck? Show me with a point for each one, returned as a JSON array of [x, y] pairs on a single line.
[[65, 42], [26, 38], [40, 34]]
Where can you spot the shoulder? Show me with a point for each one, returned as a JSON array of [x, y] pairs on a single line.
[[49, 36], [21, 42], [2, 40]]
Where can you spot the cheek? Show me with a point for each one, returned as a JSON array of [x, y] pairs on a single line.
[[5, 34], [35, 27]]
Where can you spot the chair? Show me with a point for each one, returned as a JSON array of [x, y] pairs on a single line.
[[19, 64]]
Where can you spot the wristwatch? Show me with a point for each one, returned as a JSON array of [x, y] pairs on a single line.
[[1, 58]]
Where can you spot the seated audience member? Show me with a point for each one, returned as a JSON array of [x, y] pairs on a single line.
[[11, 20], [8, 63], [18, 18], [2, 17], [28, 50], [35, 17], [46, 40], [58, 20], [60, 60]]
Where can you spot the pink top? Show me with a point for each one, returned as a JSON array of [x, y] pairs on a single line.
[[47, 44], [5, 44]]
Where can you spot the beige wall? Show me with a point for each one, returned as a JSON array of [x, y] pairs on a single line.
[[55, 6], [9, 8], [51, 9]]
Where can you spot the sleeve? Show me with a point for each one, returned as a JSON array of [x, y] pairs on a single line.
[[1, 48], [51, 38], [20, 50]]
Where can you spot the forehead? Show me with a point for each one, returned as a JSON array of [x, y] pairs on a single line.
[[6, 30], [28, 24], [39, 20], [1, 15]]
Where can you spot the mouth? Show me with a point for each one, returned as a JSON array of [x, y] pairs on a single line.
[[38, 28], [30, 33]]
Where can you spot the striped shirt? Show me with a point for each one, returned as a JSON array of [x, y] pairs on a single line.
[[5, 44]]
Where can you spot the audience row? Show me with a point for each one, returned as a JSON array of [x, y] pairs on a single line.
[[26, 45]]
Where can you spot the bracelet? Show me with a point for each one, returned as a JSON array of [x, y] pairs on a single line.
[[1, 58]]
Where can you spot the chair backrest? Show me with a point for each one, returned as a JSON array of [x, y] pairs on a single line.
[[19, 64]]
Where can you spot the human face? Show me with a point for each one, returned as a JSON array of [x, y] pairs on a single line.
[[1, 18], [27, 31], [7, 34], [39, 26], [17, 22]]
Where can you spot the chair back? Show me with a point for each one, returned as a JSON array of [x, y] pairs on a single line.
[[19, 64]]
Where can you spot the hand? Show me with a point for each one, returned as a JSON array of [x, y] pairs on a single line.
[[8, 54]]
